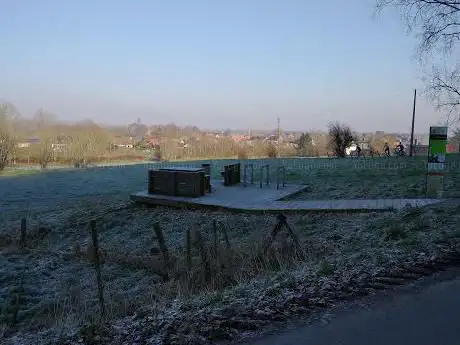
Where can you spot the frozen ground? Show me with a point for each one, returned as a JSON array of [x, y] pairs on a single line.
[[326, 179], [54, 279], [379, 178]]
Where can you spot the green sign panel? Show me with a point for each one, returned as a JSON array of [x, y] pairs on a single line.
[[434, 183], [437, 145]]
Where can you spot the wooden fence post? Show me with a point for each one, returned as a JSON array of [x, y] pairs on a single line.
[[216, 240], [273, 235], [162, 244], [188, 250], [282, 221], [97, 266], [204, 255], [294, 237], [227, 241]]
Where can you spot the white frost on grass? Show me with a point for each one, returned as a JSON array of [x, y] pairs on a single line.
[[59, 288]]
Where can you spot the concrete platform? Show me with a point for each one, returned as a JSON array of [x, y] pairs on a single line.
[[233, 197], [268, 199]]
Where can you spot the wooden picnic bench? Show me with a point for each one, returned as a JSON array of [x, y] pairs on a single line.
[[178, 181], [231, 174]]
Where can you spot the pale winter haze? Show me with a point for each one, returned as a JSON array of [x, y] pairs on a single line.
[[234, 64]]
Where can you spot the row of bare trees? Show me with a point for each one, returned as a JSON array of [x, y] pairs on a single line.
[[76, 144], [85, 143]]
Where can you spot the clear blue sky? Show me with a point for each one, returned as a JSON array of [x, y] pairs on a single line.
[[225, 64]]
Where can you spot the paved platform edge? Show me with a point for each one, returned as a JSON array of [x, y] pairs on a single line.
[[140, 197]]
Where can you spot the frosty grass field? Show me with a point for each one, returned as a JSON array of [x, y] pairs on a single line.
[[54, 279]]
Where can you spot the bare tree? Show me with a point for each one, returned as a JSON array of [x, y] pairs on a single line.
[[43, 152], [7, 142], [436, 23], [455, 139], [85, 144], [444, 88], [340, 137], [7, 145], [305, 146]]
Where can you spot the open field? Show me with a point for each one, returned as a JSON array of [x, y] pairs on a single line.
[[375, 179], [325, 178], [54, 278]]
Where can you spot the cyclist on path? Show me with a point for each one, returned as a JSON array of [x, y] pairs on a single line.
[[358, 150], [386, 149]]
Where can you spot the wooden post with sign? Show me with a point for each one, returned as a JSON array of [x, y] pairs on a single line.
[[435, 172]]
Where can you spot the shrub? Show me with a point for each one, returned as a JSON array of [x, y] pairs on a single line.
[[272, 151], [340, 137], [243, 153], [158, 154], [305, 146]]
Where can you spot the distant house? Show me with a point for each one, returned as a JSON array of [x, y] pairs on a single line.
[[240, 138], [28, 142], [128, 146], [152, 142], [272, 138], [58, 147], [256, 138], [123, 142], [33, 140]]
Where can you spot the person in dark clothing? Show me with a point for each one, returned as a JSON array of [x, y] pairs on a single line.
[[386, 149], [358, 150], [400, 149]]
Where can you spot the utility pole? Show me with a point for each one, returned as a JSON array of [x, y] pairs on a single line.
[[413, 122], [279, 130]]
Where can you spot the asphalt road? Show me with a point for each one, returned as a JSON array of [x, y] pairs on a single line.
[[427, 316]]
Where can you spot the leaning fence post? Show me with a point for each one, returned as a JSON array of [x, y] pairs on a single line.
[[274, 233], [97, 266], [162, 244], [188, 250], [294, 237]]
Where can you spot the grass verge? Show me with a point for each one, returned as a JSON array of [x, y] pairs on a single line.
[[218, 287]]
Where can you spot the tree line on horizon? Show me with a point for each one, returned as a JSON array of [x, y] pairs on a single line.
[[83, 143]]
